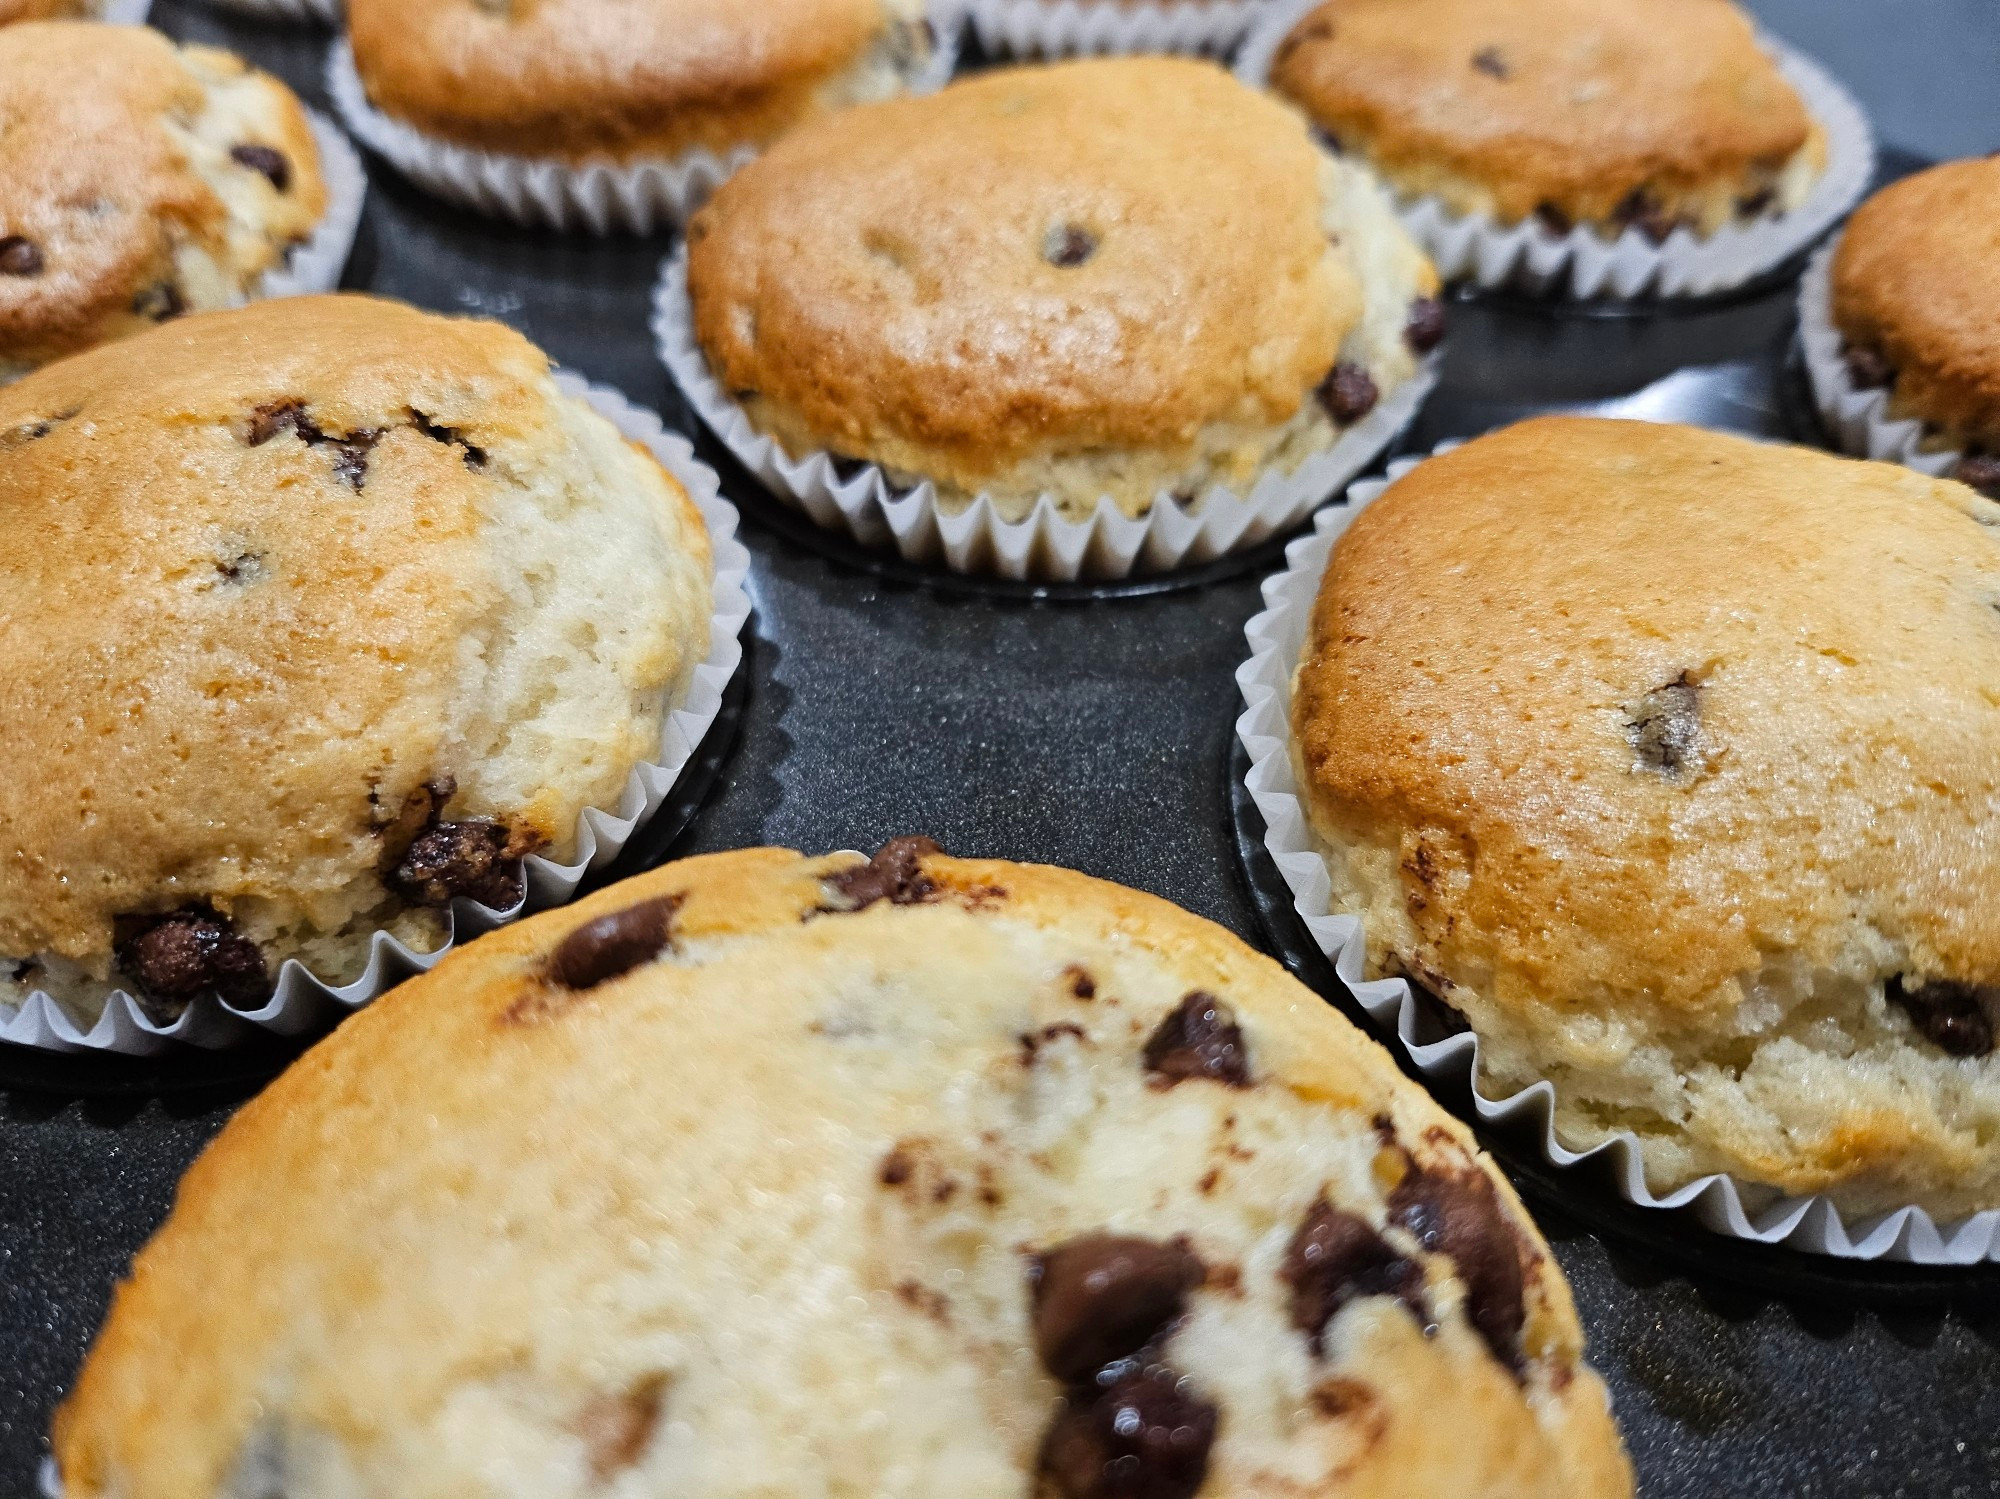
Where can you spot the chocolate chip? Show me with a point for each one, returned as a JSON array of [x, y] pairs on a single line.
[[616, 943], [1081, 984], [1867, 369], [20, 257], [1754, 205], [1103, 1297], [244, 567], [1199, 1039], [350, 457], [617, 1428], [1953, 1017], [266, 422], [896, 1168], [1664, 726], [176, 957], [1142, 1432], [160, 303], [478, 859], [1424, 330], [895, 874], [1458, 1214], [1488, 60], [1981, 471], [1644, 212], [1348, 393], [1068, 245], [264, 159], [1327, 139], [1553, 218], [475, 457], [1335, 1258]]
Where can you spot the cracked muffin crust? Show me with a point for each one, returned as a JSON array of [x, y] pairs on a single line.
[[1915, 299], [909, 1176], [138, 181], [1161, 284], [1671, 761], [320, 612], [1611, 113], [581, 79]]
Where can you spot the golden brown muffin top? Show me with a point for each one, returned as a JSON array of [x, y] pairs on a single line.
[[739, 1144], [97, 183], [1917, 280], [37, 10], [243, 556], [1571, 103], [1138, 251], [1641, 705], [574, 78]]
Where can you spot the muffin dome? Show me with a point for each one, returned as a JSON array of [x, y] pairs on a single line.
[[138, 181], [1151, 290], [911, 1177], [1916, 296], [1613, 113], [321, 612], [1672, 762], [575, 79]]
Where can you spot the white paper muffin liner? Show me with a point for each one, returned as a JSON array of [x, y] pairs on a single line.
[[1857, 419], [301, 1001], [1276, 637], [299, 12], [1069, 28], [125, 12], [601, 197], [1530, 256], [1044, 545], [316, 265]]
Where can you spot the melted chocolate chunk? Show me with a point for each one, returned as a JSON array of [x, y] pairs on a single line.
[[1982, 472], [1335, 1258], [1867, 369], [895, 874], [266, 160], [1068, 245], [1458, 1215], [161, 303], [1755, 205], [601, 950], [1141, 1432], [177, 957], [1953, 1017], [350, 457], [616, 1429], [1327, 138], [1199, 1039], [1349, 393], [475, 457], [266, 422], [1425, 329], [1103, 1297], [1644, 212], [1553, 218], [477, 859], [1491, 62], [1665, 726], [20, 257]]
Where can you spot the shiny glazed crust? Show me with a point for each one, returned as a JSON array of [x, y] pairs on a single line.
[[241, 644], [116, 168], [1661, 755], [1157, 270], [574, 79], [1917, 280], [718, 1204], [1566, 107]]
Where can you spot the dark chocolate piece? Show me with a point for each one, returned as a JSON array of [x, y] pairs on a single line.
[[1956, 1018], [616, 943], [1199, 1039], [1104, 1297], [1335, 1257]]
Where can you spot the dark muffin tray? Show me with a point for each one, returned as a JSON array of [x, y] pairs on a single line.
[[1093, 727]]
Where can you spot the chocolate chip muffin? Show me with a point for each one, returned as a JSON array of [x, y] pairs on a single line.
[[320, 613], [1615, 114], [1667, 760], [580, 79], [1916, 298], [138, 181], [909, 1176], [1159, 285]]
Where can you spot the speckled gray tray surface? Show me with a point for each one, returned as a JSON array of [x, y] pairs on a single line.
[[1095, 734]]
